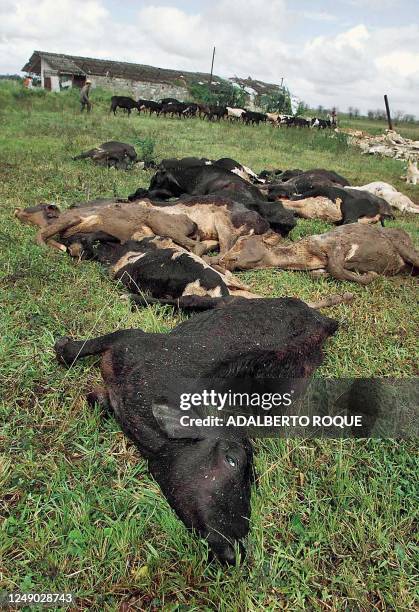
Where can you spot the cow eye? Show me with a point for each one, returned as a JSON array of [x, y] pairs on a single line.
[[231, 461]]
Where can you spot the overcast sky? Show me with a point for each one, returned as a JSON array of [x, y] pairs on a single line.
[[330, 52]]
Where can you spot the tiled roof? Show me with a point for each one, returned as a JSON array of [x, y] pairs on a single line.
[[71, 64]]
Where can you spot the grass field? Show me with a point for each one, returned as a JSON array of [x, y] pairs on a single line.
[[333, 522]]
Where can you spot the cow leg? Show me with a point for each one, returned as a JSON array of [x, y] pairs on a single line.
[[226, 237], [99, 396], [194, 303], [408, 253], [68, 351], [48, 232], [336, 267], [171, 227]]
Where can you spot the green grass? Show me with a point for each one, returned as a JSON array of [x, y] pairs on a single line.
[[333, 521], [376, 126]]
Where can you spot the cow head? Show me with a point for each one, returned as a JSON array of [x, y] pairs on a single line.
[[165, 181], [279, 218], [40, 215], [207, 480], [249, 252]]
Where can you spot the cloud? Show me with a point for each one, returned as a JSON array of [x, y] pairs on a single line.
[[350, 67], [318, 15]]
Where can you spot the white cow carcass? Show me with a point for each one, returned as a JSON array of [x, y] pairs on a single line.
[[395, 198]]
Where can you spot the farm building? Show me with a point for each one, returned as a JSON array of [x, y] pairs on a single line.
[[58, 71]]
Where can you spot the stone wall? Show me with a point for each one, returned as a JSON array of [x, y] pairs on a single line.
[[141, 89]]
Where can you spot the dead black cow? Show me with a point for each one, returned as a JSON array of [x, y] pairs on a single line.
[[209, 179], [206, 477], [355, 204], [113, 154]]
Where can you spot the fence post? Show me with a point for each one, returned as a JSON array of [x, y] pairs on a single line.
[[212, 68], [390, 124]]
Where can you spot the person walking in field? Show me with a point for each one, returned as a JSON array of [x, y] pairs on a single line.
[[84, 97]]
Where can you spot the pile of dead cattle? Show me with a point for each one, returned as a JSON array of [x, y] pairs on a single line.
[[178, 241], [170, 107], [389, 144], [158, 245]]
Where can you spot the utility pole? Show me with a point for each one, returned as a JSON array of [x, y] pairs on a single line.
[[390, 124], [212, 68]]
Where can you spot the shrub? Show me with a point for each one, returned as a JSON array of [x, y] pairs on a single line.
[[146, 146], [221, 94], [278, 102]]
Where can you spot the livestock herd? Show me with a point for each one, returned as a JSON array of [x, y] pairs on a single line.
[[170, 107], [177, 243]]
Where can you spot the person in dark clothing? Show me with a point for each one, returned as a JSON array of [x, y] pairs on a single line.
[[84, 97]]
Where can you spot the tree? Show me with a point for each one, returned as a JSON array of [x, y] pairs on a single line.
[[276, 102], [222, 93]]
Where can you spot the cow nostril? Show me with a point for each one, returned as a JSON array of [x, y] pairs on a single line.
[[225, 551], [228, 555]]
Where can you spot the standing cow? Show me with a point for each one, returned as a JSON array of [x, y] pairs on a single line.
[[124, 102]]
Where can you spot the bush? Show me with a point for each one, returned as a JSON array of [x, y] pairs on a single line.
[[221, 94], [278, 102], [146, 146]]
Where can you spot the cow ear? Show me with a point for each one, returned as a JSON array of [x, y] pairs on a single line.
[[271, 238], [169, 421], [52, 211]]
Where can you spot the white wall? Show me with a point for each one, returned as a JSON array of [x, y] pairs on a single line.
[[47, 71]]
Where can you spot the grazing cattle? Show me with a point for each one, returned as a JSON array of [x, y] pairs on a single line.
[[142, 104], [291, 121], [388, 193], [321, 124], [203, 110], [353, 252], [234, 113], [284, 119], [216, 112], [124, 221], [112, 154], [355, 205], [205, 474], [253, 117], [191, 109], [123, 102], [151, 106], [170, 101], [173, 109], [210, 180], [273, 118]]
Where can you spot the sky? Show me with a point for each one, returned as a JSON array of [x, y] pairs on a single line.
[[331, 52]]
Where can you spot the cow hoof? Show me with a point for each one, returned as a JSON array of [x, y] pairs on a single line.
[[99, 397], [200, 249], [60, 350]]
